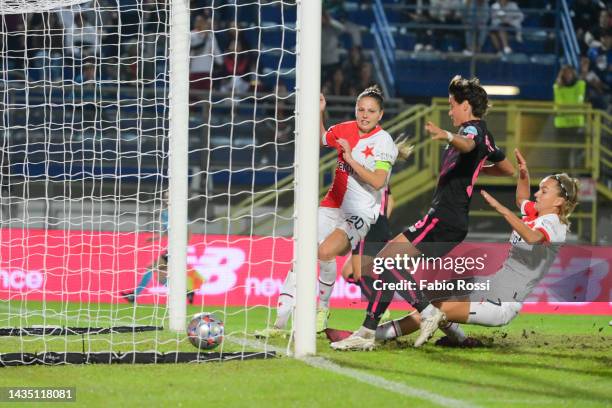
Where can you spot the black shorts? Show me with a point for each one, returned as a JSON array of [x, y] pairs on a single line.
[[434, 237], [379, 234], [165, 256]]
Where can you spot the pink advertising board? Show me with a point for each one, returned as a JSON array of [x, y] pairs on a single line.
[[86, 267]]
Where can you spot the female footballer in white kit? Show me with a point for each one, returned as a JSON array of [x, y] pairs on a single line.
[[535, 239], [366, 154]]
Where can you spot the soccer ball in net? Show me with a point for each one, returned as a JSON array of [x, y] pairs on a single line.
[[205, 331]]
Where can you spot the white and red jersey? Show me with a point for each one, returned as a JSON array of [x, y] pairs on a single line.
[[348, 192], [527, 264], [549, 225]]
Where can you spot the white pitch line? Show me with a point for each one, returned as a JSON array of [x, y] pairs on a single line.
[[370, 379]]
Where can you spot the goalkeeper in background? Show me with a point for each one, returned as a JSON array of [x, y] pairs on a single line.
[[160, 265]]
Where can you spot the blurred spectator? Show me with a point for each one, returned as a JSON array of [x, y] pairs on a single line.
[[239, 66], [12, 41], [365, 77], [337, 85], [275, 133], [330, 45], [340, 9], [596, 90], [475, 15], [592, 37], [352, 65], [417, 12], [569, 91], [505, 14], [600, 57], [448, 12], [585, 16], [205, 53], [86, 95], [48, 61], [45, 47]]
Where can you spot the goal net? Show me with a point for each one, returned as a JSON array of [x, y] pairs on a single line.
[[97, 180]]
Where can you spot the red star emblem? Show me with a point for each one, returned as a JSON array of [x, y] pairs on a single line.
[[368, 151]]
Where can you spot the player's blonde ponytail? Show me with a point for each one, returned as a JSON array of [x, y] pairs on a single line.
[[568, 189]]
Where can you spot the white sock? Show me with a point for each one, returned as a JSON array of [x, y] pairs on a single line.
[[428, 311], [327, 279], [388, 330], [286, 301], [366, 333], [454, 331]]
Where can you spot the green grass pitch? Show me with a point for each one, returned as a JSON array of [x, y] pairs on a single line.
[[538, 360]]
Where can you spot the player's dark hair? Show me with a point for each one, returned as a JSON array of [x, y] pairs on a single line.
[[470, 90], [375, 92]]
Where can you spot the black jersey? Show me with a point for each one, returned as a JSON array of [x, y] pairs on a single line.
[[458, 174]]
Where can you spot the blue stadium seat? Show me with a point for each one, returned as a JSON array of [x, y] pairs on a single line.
[[405, 42]]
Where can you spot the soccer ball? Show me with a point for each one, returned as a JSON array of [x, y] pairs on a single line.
[[205, 331]]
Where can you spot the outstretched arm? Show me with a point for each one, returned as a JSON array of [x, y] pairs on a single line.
[[523, 189], [459, 142], [530, 236]]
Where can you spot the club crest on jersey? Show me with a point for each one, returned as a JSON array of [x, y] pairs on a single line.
[[368, 151]]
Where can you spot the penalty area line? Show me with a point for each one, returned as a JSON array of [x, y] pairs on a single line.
[[370, 379]]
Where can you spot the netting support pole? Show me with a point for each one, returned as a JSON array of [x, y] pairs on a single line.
[[308, 83], [178, 163]]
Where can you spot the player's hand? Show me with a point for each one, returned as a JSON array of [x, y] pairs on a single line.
[[346, 150], [322, 103], [522, 164], [497, 206], [435, 131], [405, 149]]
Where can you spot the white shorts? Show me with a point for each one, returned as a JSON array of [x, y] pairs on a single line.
[[489, 313], [356, 226]]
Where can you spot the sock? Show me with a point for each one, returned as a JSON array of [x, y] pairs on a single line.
[[415, 297], [428, 311], [144, 281], [286, 301], [327, 279], [377, 306], [389, 330], [454, 331], [366, 333], [366, 283]]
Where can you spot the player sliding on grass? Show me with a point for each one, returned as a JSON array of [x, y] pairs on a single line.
[[366, 154], [446, 222], [535, 240]]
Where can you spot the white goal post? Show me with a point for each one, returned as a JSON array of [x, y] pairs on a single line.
[[306, 180]]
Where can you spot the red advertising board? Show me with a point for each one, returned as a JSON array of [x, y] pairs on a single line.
[[89, 267]]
